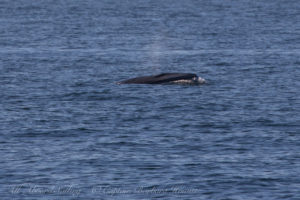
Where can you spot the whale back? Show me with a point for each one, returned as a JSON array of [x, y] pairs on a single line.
[[160, 78]]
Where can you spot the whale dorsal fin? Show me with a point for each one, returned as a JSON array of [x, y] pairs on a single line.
[[159, 75]]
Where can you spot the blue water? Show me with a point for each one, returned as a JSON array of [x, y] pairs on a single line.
[[68, 131]]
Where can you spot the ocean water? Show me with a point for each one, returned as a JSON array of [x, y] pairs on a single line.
[[68, 131]]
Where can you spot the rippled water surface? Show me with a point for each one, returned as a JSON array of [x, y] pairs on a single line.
[[68, 131]]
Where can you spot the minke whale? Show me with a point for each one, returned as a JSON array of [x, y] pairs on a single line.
[[166, 78]]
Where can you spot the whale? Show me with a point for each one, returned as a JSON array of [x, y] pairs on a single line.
[[166, 78]]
